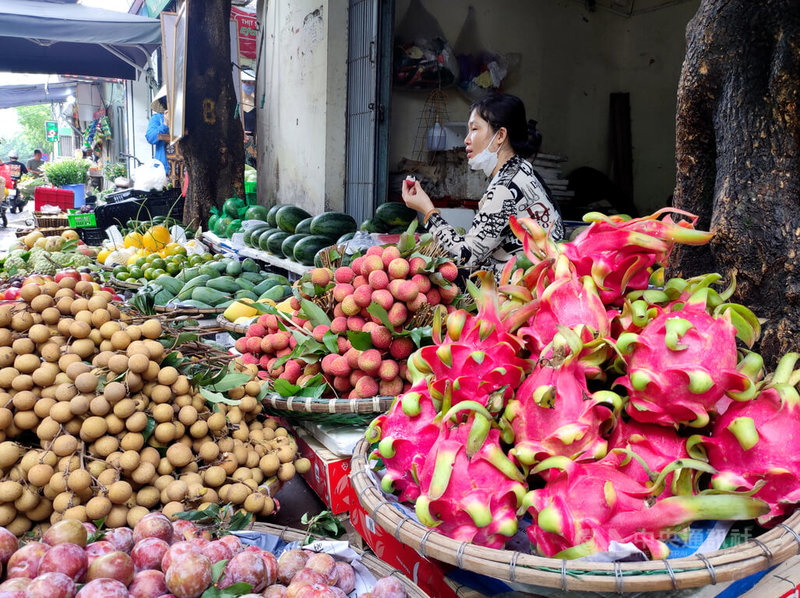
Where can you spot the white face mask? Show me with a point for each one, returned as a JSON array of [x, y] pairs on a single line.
[[486, 160]]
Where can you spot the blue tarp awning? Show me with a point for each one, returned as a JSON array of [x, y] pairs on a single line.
[[39, 93], [62, 38]]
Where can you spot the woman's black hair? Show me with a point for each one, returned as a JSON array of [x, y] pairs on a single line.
[[505, 110]]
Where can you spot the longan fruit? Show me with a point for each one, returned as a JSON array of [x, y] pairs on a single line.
[[164, 433], [148, 496], [120, 340], [136, 422], [86, 382], [134, 382], [135, 514], [7, 356], [66, 360], [269, 464], [160, 393], [51, 315], [144, 474], [119, 492], [138, 363], [198, 429], [92, 428], [132, 441], [76, 369], [302, 465], [19, 525], [252, 388], [65, 444], [29, 500], [64, 303], [151, 329], [163, 413], [29, 291], [118, 363], [84, 287], [176, 490], [10, 452], [99, 406], [124, 408], [97, 302], [64, 501], [181, 385], [98, 507], [155, 349], [107, 329], [214, 476], [21, 321], [179, 455], [43, 376], [216, 422], [107, 477], [105, 445], [83, 348], [129, 460], [117, 516], [254, 502], [38, 475], [79, 480]]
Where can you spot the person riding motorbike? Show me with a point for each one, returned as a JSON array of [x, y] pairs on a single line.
[[15, 169]]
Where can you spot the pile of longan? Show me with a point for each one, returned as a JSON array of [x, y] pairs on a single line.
[[92, 426]]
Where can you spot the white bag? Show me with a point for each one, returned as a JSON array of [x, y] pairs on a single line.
[[150, 176]]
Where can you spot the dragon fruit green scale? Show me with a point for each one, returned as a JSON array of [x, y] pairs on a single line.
[[680, 366]]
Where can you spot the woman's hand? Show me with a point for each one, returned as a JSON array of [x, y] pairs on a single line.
[[415, 198]]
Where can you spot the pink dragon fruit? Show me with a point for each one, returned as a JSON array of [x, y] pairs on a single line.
[[754, 445], [617, 253], [656, 448], [583, 507], [470, 489], [555, 414], [405, 434], [565, 300], [681, 365]]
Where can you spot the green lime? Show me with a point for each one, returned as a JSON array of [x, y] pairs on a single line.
[[156, 272], [135, 272], [122, 276], [140, 262], [158, 263], [174, 268], [148, 273], [179, 250], [196, 260], [152, 257], [119, 270]]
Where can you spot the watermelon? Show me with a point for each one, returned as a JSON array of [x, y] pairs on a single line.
[[256, 213], [233, 206], [233, 227], [221, 225], [287, 247], [395, 214], [212, 220], [271, 214], [288, 217], [333, 225], [274, 242], [306, 249], [372, 225], [344, 238], [251, 236], [303, 227], [264, 238]]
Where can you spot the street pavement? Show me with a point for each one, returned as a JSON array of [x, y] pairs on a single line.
[[24, 219]]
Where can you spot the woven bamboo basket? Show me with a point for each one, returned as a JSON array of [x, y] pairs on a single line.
[[189, 311], [757, 554], [50, 220], [376, 566], [229, 326], [342, 411], [123, 284]]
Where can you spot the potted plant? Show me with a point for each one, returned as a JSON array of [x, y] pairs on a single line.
[[69, 174]]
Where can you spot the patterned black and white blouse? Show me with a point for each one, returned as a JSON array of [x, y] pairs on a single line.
[[488, 245]]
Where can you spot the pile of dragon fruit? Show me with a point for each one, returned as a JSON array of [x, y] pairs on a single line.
[[603, 401]]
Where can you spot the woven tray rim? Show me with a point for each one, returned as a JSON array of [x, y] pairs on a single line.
[[188, 311], [226, 324], [376, 405], [124, 283], [770, 548], [370, 561]]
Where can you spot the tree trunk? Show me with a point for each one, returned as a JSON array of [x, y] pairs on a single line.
[[738, 156], [213, 143]]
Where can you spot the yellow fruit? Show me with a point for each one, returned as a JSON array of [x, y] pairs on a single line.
[[69, 235], [237, 309], [285, 306], [102, 255], [133, 240], [156, 238], [267, 301]]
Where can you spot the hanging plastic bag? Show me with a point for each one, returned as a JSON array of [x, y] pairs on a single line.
[[150, 176], [423, 59]]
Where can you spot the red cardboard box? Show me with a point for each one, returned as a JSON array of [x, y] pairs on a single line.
[[329, 475], [427, 574]]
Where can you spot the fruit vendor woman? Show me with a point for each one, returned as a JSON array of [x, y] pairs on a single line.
[[498, 140]]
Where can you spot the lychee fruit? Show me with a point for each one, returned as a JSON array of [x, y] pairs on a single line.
[[448, 294], [339, 325], [370, 361], [350, 307], [280, 340], [398, 314], [294, 303], [371, 263], [401, 347], [398, 268], [363, 295], [381, 337], [407, 291], [321, 276], [390, 388], [374, 250], [355, 265], [338, 312], [434, 297], [343, 344], [355, 323], [249, 359], [389, 253], [283, 352], [352, 356], [264, 360], [344, 274], [292, 370], [369, 326], [378, 279], [319, 332], [383, 298], [449, 271], [240, 344], [366, 387], [327, 362], [312, 369], [256, 330], [356, 375], [342, 383], [263, 319], [254, 344], [394, 287], [423, 282], [417, 302], [272, 321], [389, 370], [416, 265], [267, 344], [339, 367], [360, 281], [342, 290]]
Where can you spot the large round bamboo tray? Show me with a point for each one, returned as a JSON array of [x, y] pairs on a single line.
[[770, 548], [124, 284], [229, 326], [376, 566], [342, 411], [189, 311]]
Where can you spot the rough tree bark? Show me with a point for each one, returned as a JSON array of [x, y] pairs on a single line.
[[738, 156], [213, 144]]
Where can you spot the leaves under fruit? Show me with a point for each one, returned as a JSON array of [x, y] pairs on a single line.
[[322, 524]]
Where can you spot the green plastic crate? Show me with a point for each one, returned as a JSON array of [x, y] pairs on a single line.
[[250, 187], [80, 220]]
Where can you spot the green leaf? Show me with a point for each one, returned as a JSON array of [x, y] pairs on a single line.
[[231, 381], [173, 359], [263, 392], [99, 533], [148, 428], [240, 521], [215, 397], [360, 341], [217, 569], [313, 313], [377, 311], [421, 334], [285, 388], [329, 339]]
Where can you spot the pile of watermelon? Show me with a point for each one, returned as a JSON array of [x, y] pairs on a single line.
[[229, 220]]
